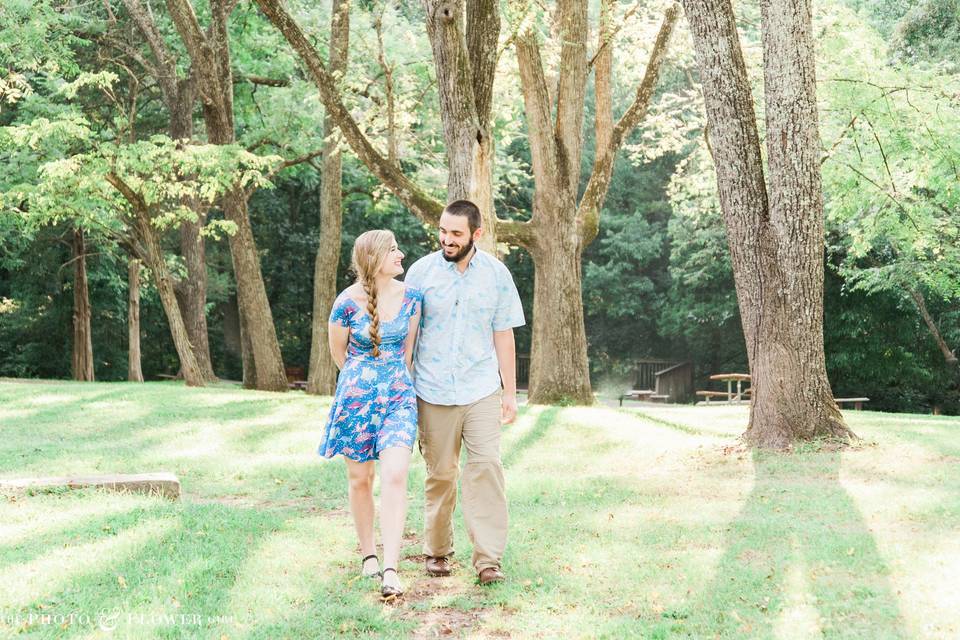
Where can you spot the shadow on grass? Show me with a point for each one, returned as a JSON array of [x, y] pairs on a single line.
[[189, 571], [800, 561], [66, 432], [536, 433]]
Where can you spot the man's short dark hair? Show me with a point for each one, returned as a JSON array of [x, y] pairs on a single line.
[[467, 209]]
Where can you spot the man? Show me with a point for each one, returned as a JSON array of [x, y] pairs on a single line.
[[465, 379]]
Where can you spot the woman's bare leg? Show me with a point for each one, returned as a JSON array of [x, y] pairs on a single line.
[[360, 479], [394, 465]]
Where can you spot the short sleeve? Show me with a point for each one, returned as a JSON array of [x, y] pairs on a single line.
[[509, 313], [416, 300], [414, 277], [342, 312]]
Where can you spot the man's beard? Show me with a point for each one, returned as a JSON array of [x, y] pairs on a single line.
[[460, 255]]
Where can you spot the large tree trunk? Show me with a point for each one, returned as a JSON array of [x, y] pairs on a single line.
[[322, 378], [193, 290], [775, 229], [258, 335], [134, 370], [559, 369], [163, 280], [210, 54], [465, 63], [82, 361]]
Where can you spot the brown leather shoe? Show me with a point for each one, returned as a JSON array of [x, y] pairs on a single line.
[[437, 566], [491, 575]]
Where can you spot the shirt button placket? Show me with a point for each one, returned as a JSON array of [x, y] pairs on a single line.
[[457, 339]]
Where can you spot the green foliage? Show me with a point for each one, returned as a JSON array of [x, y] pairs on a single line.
[[929, 31], [891, 171], [75, 106]]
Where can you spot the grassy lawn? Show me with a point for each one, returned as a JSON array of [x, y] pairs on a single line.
[[636, 523]]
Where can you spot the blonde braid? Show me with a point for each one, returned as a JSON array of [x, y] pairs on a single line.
[[369, 251], [371, 290]]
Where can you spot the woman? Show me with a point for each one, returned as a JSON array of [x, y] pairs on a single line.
[[373, 327]]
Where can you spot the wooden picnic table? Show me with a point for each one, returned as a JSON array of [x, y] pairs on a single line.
[[730, 378]]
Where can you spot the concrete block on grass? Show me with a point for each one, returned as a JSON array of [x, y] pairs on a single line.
[[161, 483]]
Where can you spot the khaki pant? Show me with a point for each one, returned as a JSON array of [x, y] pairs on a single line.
[[477, 426]]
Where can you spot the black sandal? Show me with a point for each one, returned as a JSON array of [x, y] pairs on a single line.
[[386, 591], [378, 574]]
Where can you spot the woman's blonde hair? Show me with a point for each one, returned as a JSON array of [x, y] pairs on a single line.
[[369, 250]]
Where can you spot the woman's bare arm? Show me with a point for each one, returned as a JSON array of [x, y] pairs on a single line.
[[338, 337], [411, 342]]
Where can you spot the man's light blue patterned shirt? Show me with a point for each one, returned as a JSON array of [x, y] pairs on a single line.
[[455, 362]]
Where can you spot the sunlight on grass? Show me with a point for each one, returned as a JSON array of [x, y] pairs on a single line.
[[29, 581], [799, 618], [646, 522], [287, 569], [26, 518]]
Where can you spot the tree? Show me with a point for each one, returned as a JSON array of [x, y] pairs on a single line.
[[890, 172], [179, 97], [209, 53], [323, 370], [82, 363], [562, 224], [775, 221], [134, 370]]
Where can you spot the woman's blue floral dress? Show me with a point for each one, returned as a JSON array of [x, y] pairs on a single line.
[[374, 406]]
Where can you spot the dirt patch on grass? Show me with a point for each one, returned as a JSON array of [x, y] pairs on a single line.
[[444, 622], [427, 602]]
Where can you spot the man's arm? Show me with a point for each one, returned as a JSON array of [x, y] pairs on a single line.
[[505, 347]]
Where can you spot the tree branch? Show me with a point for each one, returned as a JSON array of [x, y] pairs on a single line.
[[261, 80], [588, 212], [602, 78], [536, 100], [515, 232], [165, 70], [308, 157], [409, 193], [571, 92], [606, 43], [388, 90], [948, 355], [483, 32]]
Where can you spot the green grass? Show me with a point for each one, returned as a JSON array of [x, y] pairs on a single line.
[[632, 523]]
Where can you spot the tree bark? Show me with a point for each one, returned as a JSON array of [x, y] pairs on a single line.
[[775, 225], [559, 369], [149, 246], [163, 280], [193, 290], [179, 96], [134, 370], [322, 377], [210, 55], [465, 76], [82, 361]]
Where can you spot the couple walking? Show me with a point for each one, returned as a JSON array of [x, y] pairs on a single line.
[[433, 354]]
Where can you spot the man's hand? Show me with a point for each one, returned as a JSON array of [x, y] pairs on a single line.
[[508, 408]]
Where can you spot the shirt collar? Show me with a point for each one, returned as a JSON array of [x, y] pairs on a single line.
[[450, 266]]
